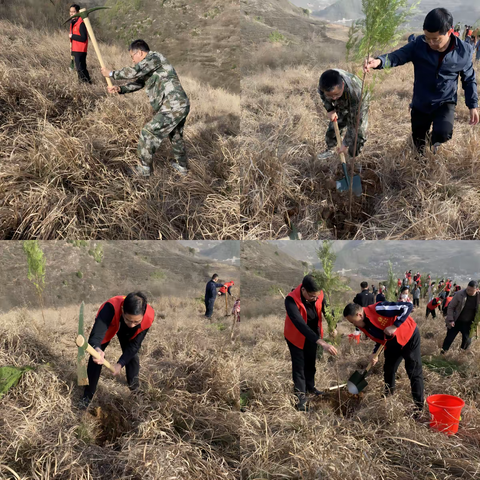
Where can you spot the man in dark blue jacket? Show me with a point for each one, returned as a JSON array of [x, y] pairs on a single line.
[[211, 294], [439, 58]]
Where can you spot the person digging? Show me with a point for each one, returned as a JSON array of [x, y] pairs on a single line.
[[168, 99], [303, 331], [79, 44], [340, 92], [390, 324], [211, 294], [439, 58], [461, 313], [129, 318], [432, 306]]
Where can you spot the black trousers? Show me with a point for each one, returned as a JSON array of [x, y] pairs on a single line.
[[81, 66], [132, 369], [442, 119], [413, 365], [416, 302], [209, 303], [459, 327], [433, 312], [303, 366]]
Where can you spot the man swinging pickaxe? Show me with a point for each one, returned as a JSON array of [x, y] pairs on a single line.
[[83, 14]]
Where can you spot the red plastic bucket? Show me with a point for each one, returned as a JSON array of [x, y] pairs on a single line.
[[445, 411]]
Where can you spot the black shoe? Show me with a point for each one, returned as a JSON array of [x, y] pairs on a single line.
[[315, 392], [83, 403], [302, 406]]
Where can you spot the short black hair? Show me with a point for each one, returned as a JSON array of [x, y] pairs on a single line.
[[329, 80], [135, 303], [472, 283], [139, 45], [214, 276], [404, 288], [364, 285], [76, 7], [310, 284], [438, 20], [351, 309]]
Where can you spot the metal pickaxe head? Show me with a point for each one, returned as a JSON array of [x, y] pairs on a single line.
[[82, 377], [83, 13]]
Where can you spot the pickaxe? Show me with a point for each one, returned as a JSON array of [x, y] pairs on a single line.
[[83, 346], [83, 14]]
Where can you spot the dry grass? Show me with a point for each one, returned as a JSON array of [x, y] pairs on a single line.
[[404, 197], [372, 438], [66, 147], [183, 424]]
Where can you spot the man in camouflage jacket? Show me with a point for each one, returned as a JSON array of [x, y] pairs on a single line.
[[340, 93], [168, 99]]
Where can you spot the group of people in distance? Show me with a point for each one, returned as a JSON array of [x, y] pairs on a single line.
[[167, 97], [386, 323], [439, 58]]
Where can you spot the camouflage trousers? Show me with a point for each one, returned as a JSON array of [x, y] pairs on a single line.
[[348, 121], [158, 129]]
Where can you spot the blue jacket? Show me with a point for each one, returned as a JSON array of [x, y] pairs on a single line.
[[211, 290], [433, 86]]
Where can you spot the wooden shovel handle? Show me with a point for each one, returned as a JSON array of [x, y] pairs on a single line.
[[379, 351], [339, 140], [81, 342], [87, 23]]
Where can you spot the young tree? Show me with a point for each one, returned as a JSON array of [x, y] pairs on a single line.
[[36, 268], [331, 284], [391, 285], [376, 32]]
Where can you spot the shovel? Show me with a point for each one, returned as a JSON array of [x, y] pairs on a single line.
[[83, 346], [331, 389], [356, 383], [344, 184]]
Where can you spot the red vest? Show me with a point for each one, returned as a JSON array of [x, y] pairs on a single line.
[[75, 30], [404, 331], [447, 301], [430, 303], [291, 332], [224, 289], [117, 303], [448, 286]]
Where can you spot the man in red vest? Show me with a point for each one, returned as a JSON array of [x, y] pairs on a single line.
[[129, 318], [303, 331], [226, 288], [79, 44], [432, 305], [389, 323]]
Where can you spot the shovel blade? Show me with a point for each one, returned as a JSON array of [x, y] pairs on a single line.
[[356, 383], [343, 186]]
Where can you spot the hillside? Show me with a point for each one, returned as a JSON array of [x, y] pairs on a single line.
[[66, 150], [225, 252], [340, 10], [201, 38], [73, 275], [344, 436]]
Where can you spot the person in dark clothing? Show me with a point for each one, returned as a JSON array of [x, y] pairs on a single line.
[[303, 331], [461, 313], [79, 44], [389, 323], [129, 318], [211, 295], [432, 306], [380, 296], [364, 298], [439, 58]]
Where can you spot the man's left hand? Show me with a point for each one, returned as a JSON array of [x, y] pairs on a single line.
[[117, 367], [343, 149], [390, 331], [105, 72], [474, 117]]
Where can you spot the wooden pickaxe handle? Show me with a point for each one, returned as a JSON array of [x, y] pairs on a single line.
[[379, 351], [339, 140], [81, 342], [86, 20]]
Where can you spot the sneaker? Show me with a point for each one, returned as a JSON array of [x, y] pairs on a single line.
[[181, 170], [302, 406], [325, 155], [435, 147]]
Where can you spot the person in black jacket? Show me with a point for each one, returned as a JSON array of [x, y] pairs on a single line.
[[439, 58], [79, 43], [364, 298], [211, 295]]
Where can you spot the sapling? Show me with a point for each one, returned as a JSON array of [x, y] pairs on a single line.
[[391, 285], [367, 36], [36, 268]]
